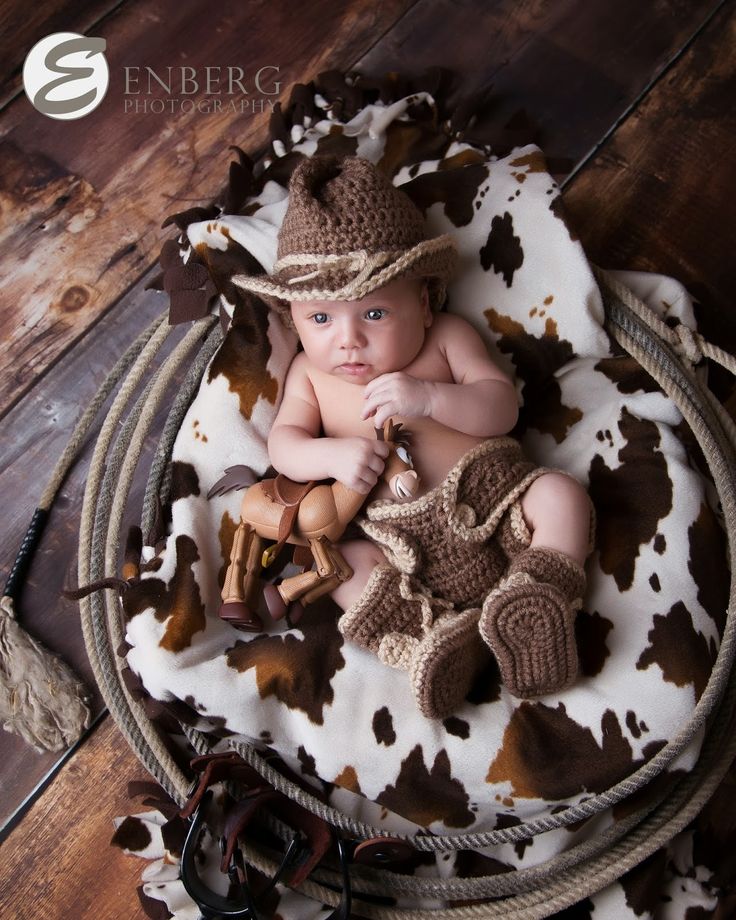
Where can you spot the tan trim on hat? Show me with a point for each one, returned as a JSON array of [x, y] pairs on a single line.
[[432, 258]]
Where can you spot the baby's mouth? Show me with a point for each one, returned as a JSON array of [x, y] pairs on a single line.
[[354, 367]]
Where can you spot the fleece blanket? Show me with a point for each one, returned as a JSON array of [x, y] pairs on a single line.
[[655, 605]]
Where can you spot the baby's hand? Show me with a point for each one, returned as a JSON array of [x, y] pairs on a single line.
[[358, 462], [396, 394]]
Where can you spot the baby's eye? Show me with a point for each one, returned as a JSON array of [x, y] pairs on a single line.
[[375, 314], [320, 318]]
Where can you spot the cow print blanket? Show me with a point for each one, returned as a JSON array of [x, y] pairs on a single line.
[[650, 624]]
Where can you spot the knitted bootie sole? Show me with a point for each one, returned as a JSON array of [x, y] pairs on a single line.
[[530, 628], [446, 663]]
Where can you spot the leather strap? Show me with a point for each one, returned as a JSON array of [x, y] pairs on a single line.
[[216, 768], [289, 494]]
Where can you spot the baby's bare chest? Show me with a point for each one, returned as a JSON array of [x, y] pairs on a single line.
[[435, 448], [341, 402]]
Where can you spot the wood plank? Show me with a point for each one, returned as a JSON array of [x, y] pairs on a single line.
[[22, 25], [110, 194], [82, 202], [658, 196], [573, 67], [38, 430], [59, 862], [44, 418]]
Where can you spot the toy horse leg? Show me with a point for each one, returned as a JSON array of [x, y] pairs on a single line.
[[238, 589], [331, 569]]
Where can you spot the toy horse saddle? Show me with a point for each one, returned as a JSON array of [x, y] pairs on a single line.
[[289, 494]]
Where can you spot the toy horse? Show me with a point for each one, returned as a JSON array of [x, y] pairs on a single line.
[[310, 516]]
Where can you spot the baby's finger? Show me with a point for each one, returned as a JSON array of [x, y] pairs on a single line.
[[384, 413], [366, 482], [372, 405], [376, 464]]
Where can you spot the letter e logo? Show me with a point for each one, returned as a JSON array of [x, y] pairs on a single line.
[[65, 75]]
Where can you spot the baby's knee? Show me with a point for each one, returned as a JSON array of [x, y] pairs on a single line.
[[361, 555], [553, 495]]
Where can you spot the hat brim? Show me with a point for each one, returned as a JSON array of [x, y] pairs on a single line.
[[435, 258]]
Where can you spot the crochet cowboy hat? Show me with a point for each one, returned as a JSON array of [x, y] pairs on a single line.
[[347, 231]]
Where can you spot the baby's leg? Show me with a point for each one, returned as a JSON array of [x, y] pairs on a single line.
[[557, 510], [391, 615], [362, 556], [528, 621]]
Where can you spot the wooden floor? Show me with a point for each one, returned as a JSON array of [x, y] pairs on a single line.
[[634, 105]]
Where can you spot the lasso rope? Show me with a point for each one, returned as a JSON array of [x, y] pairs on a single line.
[[528, 893]]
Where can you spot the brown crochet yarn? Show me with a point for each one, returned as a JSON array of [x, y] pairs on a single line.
[[528, 622], [408, 629], [447, 663], [381, 611], [447, 538], [347, 231], [339, 206]]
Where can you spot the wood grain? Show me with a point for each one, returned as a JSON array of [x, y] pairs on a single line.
[[514, 38], [80, 214], [573, 67], [82, 203], [22, 25], [658, 196], [37, 430], [59, 863]]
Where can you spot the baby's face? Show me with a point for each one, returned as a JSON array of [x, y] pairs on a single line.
[[358, 340]]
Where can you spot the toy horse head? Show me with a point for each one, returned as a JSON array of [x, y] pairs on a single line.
[[399, 471]]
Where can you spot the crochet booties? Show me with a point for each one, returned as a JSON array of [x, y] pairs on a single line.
[[409, 629], [528, 622]]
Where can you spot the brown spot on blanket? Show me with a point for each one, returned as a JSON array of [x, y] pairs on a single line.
[[502, 251], [545, 754], [297, 670], [244, 354], [532, 162], [383, 726], [425, 796], [643, 884], [684, 655], [631, 499], [709, 564], [184, 480], [627, 374], [536, 359], [184, 612], [132, 835], [177, 603], [348, 779], [591, 633], [455, 188]]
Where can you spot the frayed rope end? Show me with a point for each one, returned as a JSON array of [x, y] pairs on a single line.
[[41, 698]]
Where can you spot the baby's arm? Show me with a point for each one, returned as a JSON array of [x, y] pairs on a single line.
[[297, 450], [482, 400]]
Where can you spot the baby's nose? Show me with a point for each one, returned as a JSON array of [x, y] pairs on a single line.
[[351, 336]]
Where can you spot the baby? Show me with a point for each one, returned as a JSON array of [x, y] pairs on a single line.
[[487, 555]]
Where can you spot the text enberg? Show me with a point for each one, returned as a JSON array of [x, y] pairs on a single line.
[[187, 82]]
